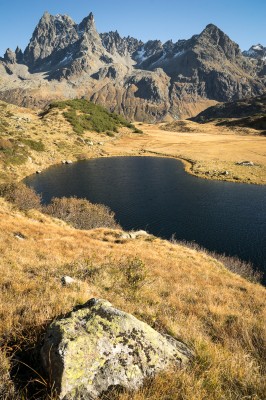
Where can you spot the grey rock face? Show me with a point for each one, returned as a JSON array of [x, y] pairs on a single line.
[[98, 347], [114, 43], [52, 34], [10, 56]]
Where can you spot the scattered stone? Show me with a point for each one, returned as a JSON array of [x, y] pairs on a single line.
[[39, 171], [90, 143], [69, 162], [246, 163], [224, 173], [98, 347], [19, 236], [68, 281], [134, 235], [125, 235]]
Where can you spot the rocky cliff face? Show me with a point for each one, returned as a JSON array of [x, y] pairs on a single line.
[[144, 81]]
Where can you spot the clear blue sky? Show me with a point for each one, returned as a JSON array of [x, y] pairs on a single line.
[[243, 20]]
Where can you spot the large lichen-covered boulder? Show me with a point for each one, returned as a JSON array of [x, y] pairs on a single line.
[[97, 347]]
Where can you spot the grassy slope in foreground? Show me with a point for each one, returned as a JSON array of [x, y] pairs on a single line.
[[177, 290]]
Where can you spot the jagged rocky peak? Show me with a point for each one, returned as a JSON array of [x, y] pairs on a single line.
[[52, 33], [10, 56], [19, 54], [87, 24], [220, 40], [114, 43], [146, 52], [256, 51]]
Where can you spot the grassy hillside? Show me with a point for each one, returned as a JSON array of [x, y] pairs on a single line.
[[179, 291], [31, 141], [246, 113]]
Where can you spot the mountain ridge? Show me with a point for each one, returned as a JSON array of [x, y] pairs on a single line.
[[144, 81]]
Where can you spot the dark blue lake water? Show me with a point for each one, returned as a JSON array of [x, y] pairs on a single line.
[[157, 195]]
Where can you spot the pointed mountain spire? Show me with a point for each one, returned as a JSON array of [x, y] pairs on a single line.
[[88, 24], [19, 54]]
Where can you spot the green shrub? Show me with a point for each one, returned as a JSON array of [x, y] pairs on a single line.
[[34, 145], [136, 130], [21, 196], [80, 213], [84, 115], [110, 134]]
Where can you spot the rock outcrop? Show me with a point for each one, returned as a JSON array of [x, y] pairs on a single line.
[[98, 347], [144, 81]]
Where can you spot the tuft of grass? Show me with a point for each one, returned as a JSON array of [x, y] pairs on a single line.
[[34, 144], [233, 264]]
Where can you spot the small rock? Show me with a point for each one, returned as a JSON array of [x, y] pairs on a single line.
[[69, 162], [67, 280], [125, 235], [246, 163], [135, 235], [39, 171], [19, 236]]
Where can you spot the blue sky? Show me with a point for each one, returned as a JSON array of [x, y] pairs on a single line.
[[242, 20]]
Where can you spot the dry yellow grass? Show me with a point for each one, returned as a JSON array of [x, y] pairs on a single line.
[[182, 292], [206, 150]]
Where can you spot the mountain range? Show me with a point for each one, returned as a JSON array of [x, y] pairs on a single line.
[[144, 81]]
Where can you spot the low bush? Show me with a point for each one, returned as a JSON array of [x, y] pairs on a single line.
[[234, 264], [34, 145], [80, 213], [84, 115], [23, 197], [5, 144]]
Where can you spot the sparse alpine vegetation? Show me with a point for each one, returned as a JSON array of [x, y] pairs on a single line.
[[84, 115]]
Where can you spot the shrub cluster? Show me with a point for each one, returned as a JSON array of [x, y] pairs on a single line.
[[21, 196], [85, 115], [80, 213]]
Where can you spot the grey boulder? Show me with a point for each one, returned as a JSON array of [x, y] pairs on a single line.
[[98, 347]]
